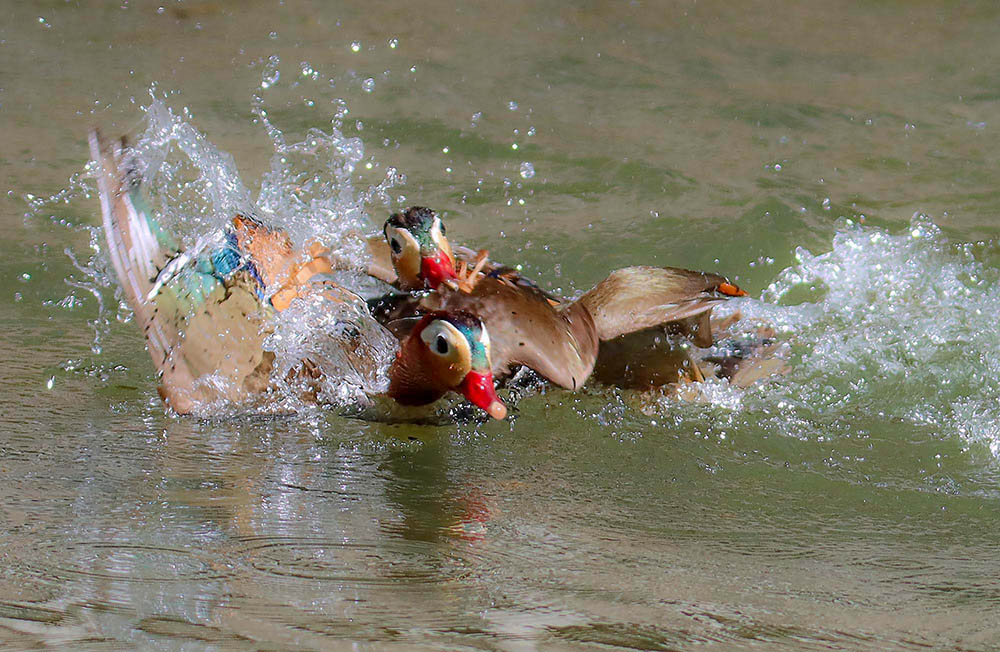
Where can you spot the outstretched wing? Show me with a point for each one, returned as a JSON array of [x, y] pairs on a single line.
[[634, 298], [203, 316]]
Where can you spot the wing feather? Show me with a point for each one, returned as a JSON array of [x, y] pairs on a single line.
[[634, 298], [204, 335]]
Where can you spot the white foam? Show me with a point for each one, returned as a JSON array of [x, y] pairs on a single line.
[[895, 326]]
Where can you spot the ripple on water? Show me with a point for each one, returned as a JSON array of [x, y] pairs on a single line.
[[703, 626], [395, 562], [131, 563]]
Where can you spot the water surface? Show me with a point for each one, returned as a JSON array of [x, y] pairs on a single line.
[[837, 160]]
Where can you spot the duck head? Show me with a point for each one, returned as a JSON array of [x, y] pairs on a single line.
[[445, 351], [420, 251]]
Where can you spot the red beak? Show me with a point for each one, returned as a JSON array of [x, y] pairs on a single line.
[[478, 388], [436, 270]]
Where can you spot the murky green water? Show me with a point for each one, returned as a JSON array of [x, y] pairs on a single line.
[[851, 505]]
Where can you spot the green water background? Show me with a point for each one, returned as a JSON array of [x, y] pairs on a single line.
[[702, 134]]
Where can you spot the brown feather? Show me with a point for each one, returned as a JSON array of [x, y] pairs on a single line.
[[643, 359], [380, 263], [525, 329], [636, 298], [222, 354], [409, 380]]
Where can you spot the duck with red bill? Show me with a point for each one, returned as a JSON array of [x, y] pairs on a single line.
[[420, 253], [446, 351]]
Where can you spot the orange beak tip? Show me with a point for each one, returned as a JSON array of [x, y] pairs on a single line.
[[497, 410], [478, 388]]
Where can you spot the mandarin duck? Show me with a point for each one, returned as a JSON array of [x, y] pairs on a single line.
[[207, 312], [609, 328]]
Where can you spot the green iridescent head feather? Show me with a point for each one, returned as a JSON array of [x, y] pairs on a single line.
[[475, 334], [419, 221]]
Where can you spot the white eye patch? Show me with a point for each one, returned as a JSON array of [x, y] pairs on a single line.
[[402, 243], [447, 342], [405, 253], [485, 340]]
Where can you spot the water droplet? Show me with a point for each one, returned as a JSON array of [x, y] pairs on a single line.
[[513, 146], [445, 149], [826, 203], [355, 46], [393, 42], [527, 170], [51, 381], [272, 35], [270, 78], [368, 85], [308, 71], [512, 105], [531, 131]]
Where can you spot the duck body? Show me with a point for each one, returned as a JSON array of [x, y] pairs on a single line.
[[634, 327], [207, 312], [634, 324]]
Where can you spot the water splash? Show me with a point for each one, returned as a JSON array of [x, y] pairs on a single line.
[[194, 188], [891, 327], [348, 352], [311, 191]]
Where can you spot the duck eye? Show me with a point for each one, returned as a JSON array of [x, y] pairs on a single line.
[[442, 344], [396, 247]]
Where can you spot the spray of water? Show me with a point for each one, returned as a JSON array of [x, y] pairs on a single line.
[[896, 326], [310, 192]]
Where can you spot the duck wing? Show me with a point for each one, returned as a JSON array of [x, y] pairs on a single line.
[[635, 298], [202, 313]]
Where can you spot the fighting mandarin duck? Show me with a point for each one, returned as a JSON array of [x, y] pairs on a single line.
[[614, 328], [412, 253], [207, 312]]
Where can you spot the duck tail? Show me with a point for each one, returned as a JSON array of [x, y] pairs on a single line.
[[135, 242]]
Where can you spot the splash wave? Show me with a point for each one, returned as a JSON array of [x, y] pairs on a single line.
[[898, 327]]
